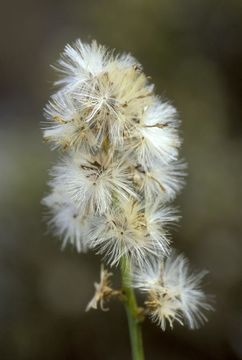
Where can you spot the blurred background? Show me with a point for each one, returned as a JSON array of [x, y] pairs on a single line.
[[193, 52]]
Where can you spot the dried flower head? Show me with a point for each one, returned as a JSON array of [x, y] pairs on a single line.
[[103, 291], [122, 154], [66, 220], [111, 190], [174, 293], [134, 230], [121, 163]]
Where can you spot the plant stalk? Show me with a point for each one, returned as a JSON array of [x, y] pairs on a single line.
[[132, 311]]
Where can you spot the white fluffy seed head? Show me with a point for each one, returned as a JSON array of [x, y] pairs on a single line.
[[111, 190], [160, 181], [174, 293], [155, 137], [91, 181], [66, 126], [133, 229], [81, 62], [121, 166], [66, 220]]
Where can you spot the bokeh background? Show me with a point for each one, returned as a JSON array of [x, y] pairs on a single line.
[[193, 52]]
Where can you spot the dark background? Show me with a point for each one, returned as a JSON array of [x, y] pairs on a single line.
[[193, 52]]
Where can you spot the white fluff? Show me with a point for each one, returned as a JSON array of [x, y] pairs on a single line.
[[67, 221], [174, 293], [91, 181], [155, 137], [111, 190], [133, 230]]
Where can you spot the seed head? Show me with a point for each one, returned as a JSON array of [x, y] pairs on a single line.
[[174, 293], [121, 163], [111, 190]]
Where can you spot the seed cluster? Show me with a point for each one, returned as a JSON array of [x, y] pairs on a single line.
[[119, 167]]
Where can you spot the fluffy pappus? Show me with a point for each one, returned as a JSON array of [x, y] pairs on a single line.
[[155, 137], [91, 181], [66, 220], [134, 230], [162, 182], [173, 292], [66, 126], [111, 190]]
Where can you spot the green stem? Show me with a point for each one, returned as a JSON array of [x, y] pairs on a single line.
[[133, 312]]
